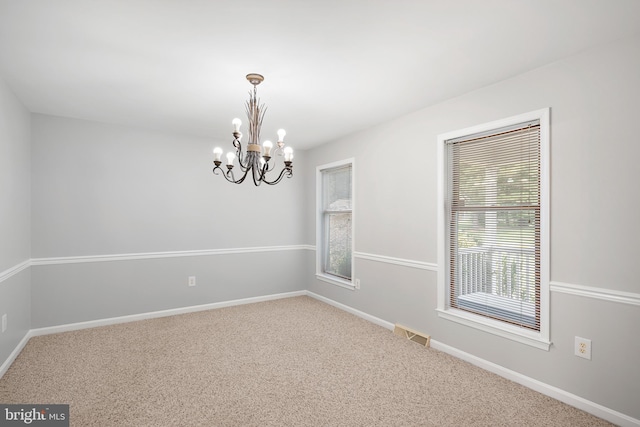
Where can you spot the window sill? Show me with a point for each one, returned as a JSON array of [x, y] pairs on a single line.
[[494, 327], [336, 281]]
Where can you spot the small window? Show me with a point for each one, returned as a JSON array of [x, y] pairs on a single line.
[[494, 214], [335, 222]]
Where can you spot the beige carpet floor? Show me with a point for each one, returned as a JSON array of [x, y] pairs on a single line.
[[289, 362]]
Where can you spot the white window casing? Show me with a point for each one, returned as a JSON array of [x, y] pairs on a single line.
[[335, 223], [493, 227]]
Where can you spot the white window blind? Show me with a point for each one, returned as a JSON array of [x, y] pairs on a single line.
[[337, 221], [493, 210]]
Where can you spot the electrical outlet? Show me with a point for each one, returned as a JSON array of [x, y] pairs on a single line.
[[192, 280], [4, 322], [582, 348], [357, 283]]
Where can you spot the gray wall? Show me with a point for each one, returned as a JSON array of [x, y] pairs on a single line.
[[594, 229], [70, 293], [15, 234], [101, 189]]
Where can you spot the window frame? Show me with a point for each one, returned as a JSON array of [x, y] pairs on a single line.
[[538, 339], [321, 228]]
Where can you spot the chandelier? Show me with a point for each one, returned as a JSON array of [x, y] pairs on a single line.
[[255, 161]]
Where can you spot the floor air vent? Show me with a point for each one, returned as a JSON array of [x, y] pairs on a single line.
[[412, 335]]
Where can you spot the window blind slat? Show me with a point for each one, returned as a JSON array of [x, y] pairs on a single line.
[[494, 210]]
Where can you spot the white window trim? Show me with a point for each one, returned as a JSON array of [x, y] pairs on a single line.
[[533, 338], [320, 275]]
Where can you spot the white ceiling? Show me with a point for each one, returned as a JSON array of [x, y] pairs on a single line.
[[331, 67]]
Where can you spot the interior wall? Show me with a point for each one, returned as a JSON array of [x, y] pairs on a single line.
[[594, 231], [105, 189], [126, 194], [15, 211]]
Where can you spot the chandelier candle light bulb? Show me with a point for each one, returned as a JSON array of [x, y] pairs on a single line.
[[288, 154], [217, 153], [281, 133], [267, 146], [230, 158], [255, 159], [236, 125]]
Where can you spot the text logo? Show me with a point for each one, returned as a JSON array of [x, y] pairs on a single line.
[[34, 415]]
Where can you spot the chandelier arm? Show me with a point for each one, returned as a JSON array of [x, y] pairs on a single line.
[[257, 174], [238, 146], [263, 172], [258, 170], [284, 172], [257, 178], [239, 181], [229, 176], [270, 166]]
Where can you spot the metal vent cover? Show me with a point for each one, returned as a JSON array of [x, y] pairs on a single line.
[[412, 335]]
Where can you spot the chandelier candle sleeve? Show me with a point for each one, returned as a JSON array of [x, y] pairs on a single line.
[[256, 159]]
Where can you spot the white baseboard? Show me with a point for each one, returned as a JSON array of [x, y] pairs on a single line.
[[14, 354], [156, 314], [546, 389], [370, 318]]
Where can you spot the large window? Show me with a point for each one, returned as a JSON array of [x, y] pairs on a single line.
[[335, 222], [494, 216]]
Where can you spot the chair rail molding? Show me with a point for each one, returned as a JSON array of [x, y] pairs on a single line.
[[12, 271], [622, 297], [168, 254], [397, 261]]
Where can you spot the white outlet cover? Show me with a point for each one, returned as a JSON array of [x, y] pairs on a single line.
[[582, 348], [4, 322]]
